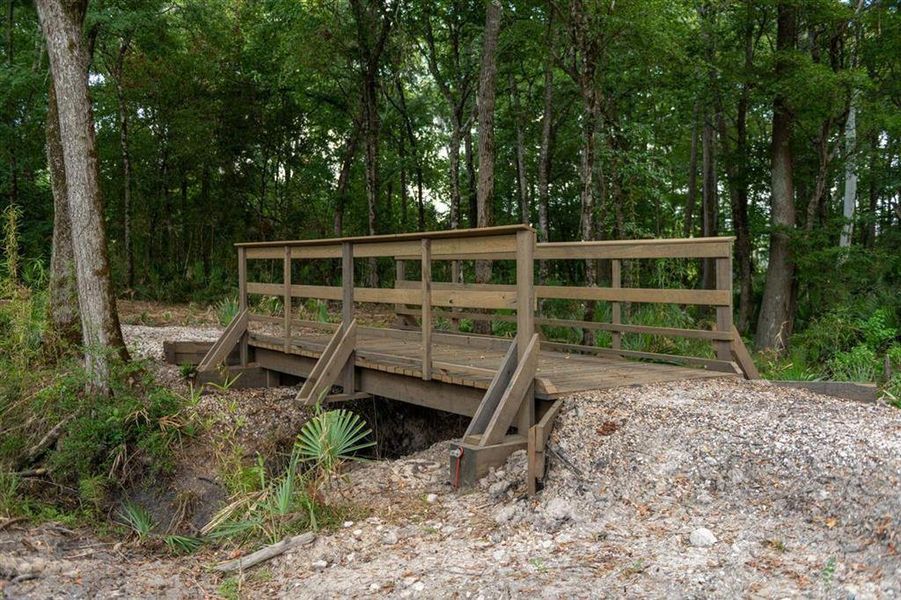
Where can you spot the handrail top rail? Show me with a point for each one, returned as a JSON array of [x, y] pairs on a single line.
[[394, 237], [641, 241]]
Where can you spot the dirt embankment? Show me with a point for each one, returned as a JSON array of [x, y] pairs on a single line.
[[698, 489]]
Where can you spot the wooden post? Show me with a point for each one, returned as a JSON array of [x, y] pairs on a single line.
[[616, 282], [426, 309], [347, 309], [456, 277], [400, 274], [525, 317], [286, 301], [724, 313], [242, 301]]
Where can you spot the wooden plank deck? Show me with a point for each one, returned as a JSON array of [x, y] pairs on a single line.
[[558, 374]]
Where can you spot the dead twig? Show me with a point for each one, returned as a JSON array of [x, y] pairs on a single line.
[[264, 554]]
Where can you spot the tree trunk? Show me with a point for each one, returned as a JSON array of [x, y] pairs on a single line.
[[521, 181], [453, 156], [544, 152], [485, 188], [373, 23], [692, 176], [101, 334], [13, 152], [347, 159], [63, 287], [850, 196], [471, 195], [774, 325], [709, 197]]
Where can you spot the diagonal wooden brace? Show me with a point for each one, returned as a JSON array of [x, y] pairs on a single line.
[[330, 365], [225, 344]]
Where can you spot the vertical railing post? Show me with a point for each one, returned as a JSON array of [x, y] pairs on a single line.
[[400, 274], [242, 300], [347, 309], [724, 313], [286, 301], [426, 302], [616, 310], [525, 317]]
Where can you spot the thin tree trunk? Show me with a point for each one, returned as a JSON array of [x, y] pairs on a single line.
[[774, 325], [453, 155], [692, 176], [850, 195], [709, 197], [13, 151], [544, 152], [62, 27], [485, 188], [347, 159], [63, 287], [521, 182], [470, 159]]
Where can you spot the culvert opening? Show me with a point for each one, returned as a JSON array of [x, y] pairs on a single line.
[[400, 428]]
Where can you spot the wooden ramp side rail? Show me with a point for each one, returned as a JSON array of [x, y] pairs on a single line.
[[331, 364], [220, 350]]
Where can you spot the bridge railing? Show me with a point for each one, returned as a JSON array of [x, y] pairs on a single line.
[[508, 242], [426, 301]]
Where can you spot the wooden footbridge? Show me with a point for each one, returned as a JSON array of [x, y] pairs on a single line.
[[508, 385]]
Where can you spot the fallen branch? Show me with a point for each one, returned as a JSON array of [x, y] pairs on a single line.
[[264, 554], [48, 440]]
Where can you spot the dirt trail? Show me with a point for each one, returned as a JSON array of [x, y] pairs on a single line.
[[695, 489]]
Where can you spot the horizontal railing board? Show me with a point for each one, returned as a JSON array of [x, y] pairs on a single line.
[[633, 249], [700, 334], [394, 237], [655, 296], [471, 298], [471, 249]]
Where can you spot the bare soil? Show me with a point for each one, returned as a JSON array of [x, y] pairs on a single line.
[[799, 494]]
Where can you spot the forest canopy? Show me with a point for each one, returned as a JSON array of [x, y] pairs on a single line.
[[219, 121]]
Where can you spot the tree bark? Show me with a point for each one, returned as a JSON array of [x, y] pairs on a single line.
[[850, 195], [709, 197], [485, 188], [347, 159], [544, 152], [63, 288], [62, 23], [521, 180], [373, 24], [774, 326], [692, 176]]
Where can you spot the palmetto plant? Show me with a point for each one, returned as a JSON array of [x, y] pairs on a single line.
[[331, 438]]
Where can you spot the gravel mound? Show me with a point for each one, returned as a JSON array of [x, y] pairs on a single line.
[[722, 484], [147, 342]]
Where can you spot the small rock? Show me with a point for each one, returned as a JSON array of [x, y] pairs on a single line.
[[419, 586], [702, 538], [390, 538], [319, 564], [348, 524], [374, 587], [431, 498], [357, 533]]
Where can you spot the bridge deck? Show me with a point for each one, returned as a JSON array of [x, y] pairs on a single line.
[[459, 363]]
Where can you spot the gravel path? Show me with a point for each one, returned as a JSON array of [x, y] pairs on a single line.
[[711, 488]]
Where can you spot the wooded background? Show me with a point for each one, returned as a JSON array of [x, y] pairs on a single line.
[[217, 121]]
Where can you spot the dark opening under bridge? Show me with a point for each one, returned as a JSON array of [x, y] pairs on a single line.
[[508, 385]]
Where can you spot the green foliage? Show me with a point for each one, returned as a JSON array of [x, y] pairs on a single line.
[[857, 364], [137, 519], [181, 544], [227, 310], [331, 438]]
